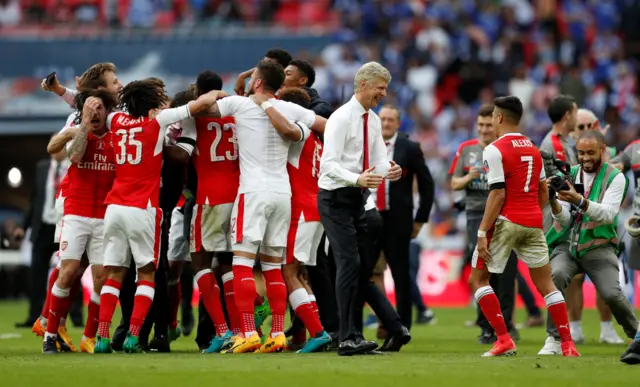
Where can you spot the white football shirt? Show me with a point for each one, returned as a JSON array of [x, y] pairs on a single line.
[[263, 152]]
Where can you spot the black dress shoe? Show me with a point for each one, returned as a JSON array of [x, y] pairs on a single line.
[[355, 347], [487, 338], [335, 342], [632, 354], [187, 323], [49, 346], [393, 343], [296, 326], [118, 338], [159, 344], [25, 324]]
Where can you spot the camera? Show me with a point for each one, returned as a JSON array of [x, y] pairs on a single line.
[[560, 174]]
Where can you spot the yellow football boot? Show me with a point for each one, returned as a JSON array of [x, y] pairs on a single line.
[[87, 345], [37, 328], [274, 344], [244, 345], [64, 335]]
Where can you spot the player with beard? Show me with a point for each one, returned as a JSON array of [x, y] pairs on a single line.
[[90, 177], [262, 210], [513, 221], [584, 234], [133, 218], [100, 76]]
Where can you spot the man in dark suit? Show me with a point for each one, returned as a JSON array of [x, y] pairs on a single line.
[[394, 201], [41, 218]]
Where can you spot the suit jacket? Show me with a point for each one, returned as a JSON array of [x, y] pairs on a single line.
[[408, 155], [33, 217]]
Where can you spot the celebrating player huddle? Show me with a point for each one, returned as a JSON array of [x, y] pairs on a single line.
[[256, 159]]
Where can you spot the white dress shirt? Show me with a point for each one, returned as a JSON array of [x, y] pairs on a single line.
[[49, 215], [604, 212], [342, 157], [391, 147]]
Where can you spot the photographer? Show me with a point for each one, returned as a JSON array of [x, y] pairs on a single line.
[[583, 238]]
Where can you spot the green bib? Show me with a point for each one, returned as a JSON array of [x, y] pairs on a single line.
[[591, 234]]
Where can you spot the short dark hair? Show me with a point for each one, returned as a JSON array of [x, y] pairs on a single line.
[[182, 98], [279, 55], [93, 77], [306, 69], [296, 95], [108, 100], [271, 74], [139, 97], [592, 135], [559, 106], [486, 110], [511, 107], [207, 81]]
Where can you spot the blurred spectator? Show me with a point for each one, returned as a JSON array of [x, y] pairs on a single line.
[[10, 13]]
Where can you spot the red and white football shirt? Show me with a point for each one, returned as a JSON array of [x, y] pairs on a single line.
[[516, 162], [90, 180], [216, 158], [304, 170], [138, 145]]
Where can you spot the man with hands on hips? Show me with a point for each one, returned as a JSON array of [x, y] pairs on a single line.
[[584, 237]]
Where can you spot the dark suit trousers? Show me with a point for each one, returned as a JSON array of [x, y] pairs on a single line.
[[396, 250], [503, 284], [341, 213], [127, 294], [323, 286], [43, 249], [368, 291]]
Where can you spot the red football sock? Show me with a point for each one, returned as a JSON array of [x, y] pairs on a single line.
[[53, 277], [314, 305], [210, 293], [108, 301], [175, 296], [277, 294], [93, 315], [244, 286], [299, 300], [73, 293], [230, 302], [490, 306], [58, 300], [558, 311], [145, 291]]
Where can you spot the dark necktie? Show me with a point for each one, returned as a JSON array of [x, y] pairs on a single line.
[[381, 194]]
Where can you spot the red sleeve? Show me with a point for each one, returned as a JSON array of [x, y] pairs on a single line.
[[455, 159]]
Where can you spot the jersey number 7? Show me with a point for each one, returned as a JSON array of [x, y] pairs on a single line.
[[128, 139], [528, 159]]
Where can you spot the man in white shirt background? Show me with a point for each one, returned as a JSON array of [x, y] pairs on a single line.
[[41, 218], [584, 236], [354, 158]]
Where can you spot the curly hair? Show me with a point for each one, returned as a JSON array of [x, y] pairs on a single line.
[[93, 77], [108, 100], [295, 95], [139, 97]]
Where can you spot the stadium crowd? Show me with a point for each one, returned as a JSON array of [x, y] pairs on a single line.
[[447, 59]]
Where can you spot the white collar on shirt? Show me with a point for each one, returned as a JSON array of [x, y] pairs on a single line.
[[392, 141], [357, 106]]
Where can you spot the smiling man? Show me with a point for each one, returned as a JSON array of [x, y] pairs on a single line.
[[584, 236]]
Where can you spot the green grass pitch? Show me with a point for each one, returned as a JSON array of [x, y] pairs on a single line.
[[445, 354]]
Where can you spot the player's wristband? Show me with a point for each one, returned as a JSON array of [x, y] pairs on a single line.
[[482, 234], [266, 105], [581, 202]]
